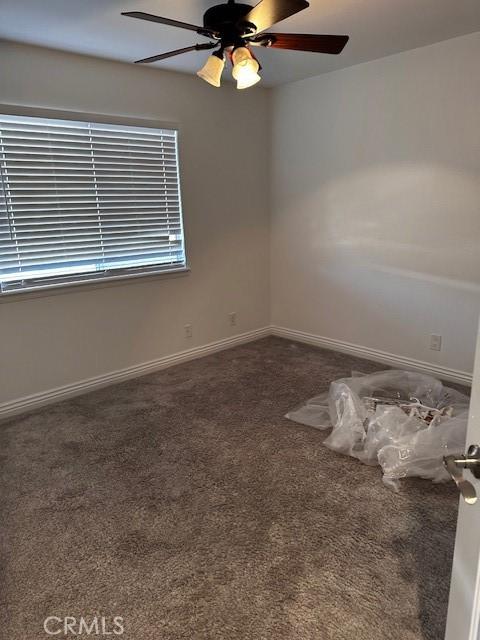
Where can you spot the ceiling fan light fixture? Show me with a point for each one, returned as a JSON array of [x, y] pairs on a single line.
[[246, 80], [232, 27], [212, 70], [245, 68]]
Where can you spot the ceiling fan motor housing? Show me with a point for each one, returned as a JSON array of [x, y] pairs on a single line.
[[227, 20]]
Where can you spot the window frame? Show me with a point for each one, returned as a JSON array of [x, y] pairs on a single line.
[[87, 281]]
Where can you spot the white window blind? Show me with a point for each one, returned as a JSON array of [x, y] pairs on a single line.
[[82, 200]]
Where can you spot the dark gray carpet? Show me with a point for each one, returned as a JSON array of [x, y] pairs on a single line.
[[186, 504]]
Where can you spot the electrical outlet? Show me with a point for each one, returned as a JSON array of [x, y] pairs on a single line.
[[232, 318], [435, 342], [188, 331]]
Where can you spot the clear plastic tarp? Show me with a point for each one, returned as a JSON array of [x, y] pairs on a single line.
[[404, 421]]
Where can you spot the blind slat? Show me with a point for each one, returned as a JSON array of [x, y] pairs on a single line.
[[87, 252]]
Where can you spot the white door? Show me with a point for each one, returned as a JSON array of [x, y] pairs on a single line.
[[463, 621]]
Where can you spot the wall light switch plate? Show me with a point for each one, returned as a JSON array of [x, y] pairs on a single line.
[[232, 317], [188, 331], [435, 342]]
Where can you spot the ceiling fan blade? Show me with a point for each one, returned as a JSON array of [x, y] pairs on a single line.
[[177, 52], [172, 23], [303, 42], [269, 12]]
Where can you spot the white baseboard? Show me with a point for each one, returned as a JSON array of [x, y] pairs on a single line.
[[402, 362], [28, 403], [37, 400]]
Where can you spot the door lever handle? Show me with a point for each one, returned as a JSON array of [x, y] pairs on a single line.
[[455, 465]]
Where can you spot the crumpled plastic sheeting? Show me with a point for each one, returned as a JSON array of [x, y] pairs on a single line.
[[314, 413], [402, 420]]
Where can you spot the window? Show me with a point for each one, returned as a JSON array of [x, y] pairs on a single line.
[[83, 200]]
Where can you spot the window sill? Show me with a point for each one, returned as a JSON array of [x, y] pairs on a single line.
[[19, 295]]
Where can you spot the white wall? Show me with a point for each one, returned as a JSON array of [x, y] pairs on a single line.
[[375, 225], [376, 203], [55, 340]]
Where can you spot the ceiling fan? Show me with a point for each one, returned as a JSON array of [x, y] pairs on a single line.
[[235, 28]]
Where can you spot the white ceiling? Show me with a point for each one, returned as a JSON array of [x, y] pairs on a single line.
[[377, 28]]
